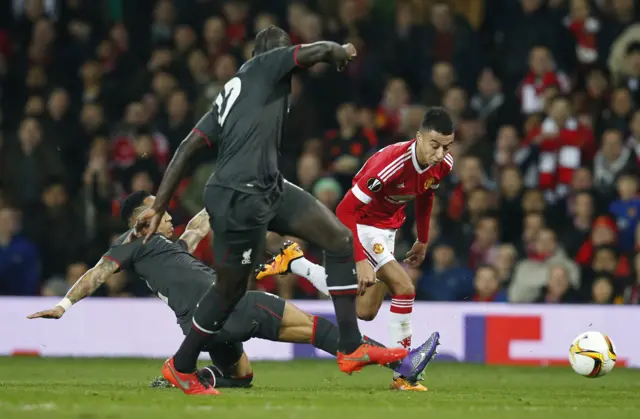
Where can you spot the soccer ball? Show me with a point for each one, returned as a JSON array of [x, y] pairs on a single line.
[[592, 354]]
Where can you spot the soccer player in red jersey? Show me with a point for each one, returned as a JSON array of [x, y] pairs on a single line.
[[374, 210]]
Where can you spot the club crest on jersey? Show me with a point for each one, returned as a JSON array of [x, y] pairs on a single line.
[[378, 248], [430, 183], [374, 185]]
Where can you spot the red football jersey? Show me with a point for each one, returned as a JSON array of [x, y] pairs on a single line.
[[391, 178]]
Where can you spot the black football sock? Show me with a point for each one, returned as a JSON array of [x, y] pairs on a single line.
[[217, 379], [343, 286], [325, 335], [207, 321]]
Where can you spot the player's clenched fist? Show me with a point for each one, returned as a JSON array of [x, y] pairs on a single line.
[[351, 52], [366, 276]]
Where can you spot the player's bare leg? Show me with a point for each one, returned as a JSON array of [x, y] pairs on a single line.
[[399, 320], [368, 305]]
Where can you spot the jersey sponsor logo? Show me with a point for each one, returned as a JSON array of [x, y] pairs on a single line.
[[400, 199], [374, 185], [429, 182], [246, 257], [378, 248]]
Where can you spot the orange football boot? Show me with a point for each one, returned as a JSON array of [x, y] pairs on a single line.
[[402, 384], [367, 354], [280, 264], [190, 384]]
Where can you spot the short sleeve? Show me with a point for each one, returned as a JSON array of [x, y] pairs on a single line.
[[207, 127], [375, 175], [124, 254], [447, 165], [279, 62]]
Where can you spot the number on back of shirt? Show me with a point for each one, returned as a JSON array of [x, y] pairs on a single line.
[[227, 98]]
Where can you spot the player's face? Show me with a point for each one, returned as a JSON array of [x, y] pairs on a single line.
[[166, 226], [432, 147]]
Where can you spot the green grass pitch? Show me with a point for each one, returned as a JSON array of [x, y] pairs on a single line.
[[118, 388]]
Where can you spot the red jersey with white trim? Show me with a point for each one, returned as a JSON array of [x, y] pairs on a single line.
[[391, 178]]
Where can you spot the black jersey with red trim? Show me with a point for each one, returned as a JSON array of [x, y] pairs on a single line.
[[170, 271], [249, 116]]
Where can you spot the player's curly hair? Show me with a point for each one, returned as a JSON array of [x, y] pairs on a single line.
[[132, 204], [437, 119], [269, 38]]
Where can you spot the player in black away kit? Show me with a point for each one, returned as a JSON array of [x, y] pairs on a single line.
[[246, 196], [180, 280]]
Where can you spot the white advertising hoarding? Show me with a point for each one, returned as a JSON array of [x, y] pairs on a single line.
[[490, 333]]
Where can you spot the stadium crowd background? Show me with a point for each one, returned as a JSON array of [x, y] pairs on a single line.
[[542, 205]]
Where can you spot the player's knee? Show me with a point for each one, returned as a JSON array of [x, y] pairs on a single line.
[[342, 243], [366, 313], [402, 287]]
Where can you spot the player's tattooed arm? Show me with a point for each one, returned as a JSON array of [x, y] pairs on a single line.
[[85, 286], [196, 230], [92, 279], [325, 52]]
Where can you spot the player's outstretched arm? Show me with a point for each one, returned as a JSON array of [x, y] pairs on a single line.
[[325, 52], [197, 228], [84, 287]]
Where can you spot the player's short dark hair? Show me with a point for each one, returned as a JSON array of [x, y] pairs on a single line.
[[437, 119], [131, 203], [269, 38]]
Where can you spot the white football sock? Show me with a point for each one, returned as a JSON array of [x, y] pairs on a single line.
[[316, 274], [399, 322]]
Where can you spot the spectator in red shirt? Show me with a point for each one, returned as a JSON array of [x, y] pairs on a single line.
[[584, 27], [561, 144], [542, 74], [350, 140]]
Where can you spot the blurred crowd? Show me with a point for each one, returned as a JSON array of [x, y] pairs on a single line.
[[543, 203]]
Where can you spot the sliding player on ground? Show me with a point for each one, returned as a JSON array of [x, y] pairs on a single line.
[[180, 280]]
